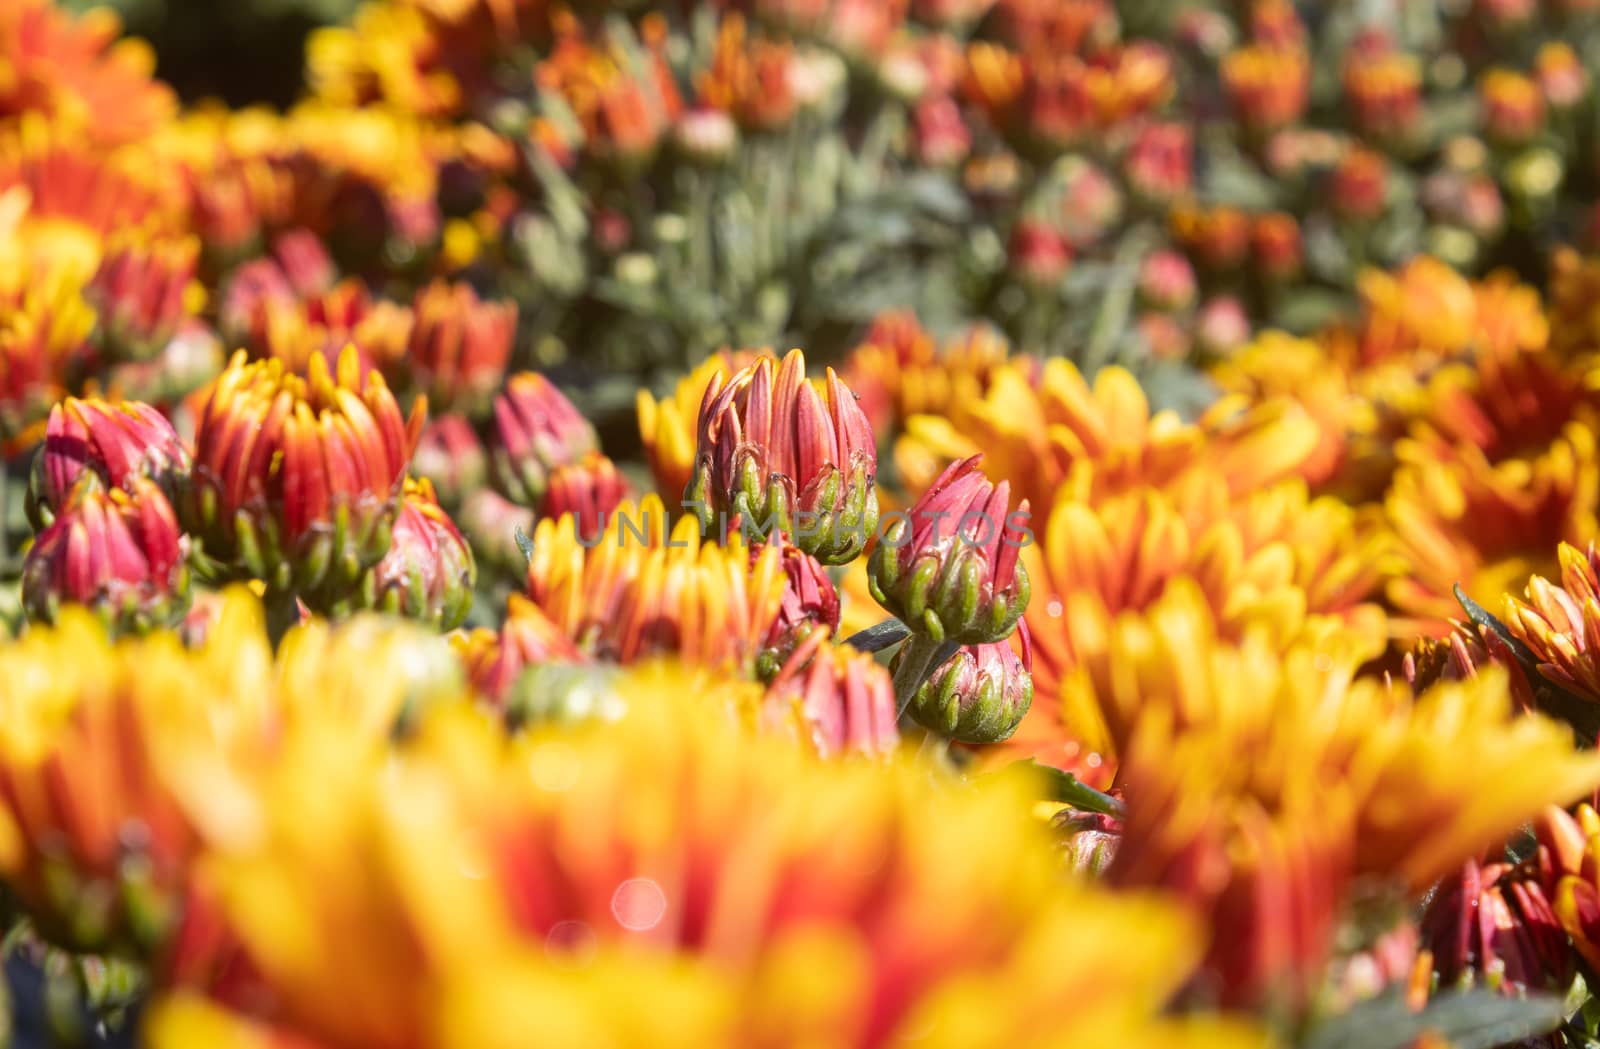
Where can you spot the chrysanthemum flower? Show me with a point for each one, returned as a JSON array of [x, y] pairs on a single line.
[[1383, 87], [118, 552], [143, 292], [73, 69], [1495, 922], [527, 637], [778, 452], [450, 455], [1312, 779], [810, 602], [1041, 427], [1187, 570], [297, 480], [898, 371], [107, 764], [621, 93], [980, 694], [1561, 623], [1512, 106], [536, 430], [1487, 526], [458, 349], [645, 586], [460, 884], [45, 324], [111, 443], [752, 80], [1051, 102], [388, 52], [1268, 85]]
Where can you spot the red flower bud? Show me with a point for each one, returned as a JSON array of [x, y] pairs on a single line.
[[588, 489], [117, 551], [450, 455], [459, 347], [536, 429], [427, 573], [844, 696], [305, 263], [810, 603], [1166, 281], [106, 445], [142, 294], [776, 453], [949, 568], [978, 695]]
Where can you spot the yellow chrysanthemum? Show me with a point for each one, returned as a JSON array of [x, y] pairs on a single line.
[[1112, 575], [109, 759], [647, 586], [1043, 427], [1259, 787], [1486, 526], [751, 896]]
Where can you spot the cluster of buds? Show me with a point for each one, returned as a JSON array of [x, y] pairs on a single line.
[[775, 454]]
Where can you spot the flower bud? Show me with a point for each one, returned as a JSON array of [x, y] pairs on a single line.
[[588, 489], [1275, 243], [118, 551], [1159, 164], [810, 603], [536, 429], [1091, 203], [304, 263], [1360, 185], [297, 480], [1268, 85], [1223, 325], [493, 661], [143, 291], [940, 133], [1088, 841], [1218, 236], [843, 696], [450, 455], [1039, 255], [427, 574], [706, 136], [776, 453], [948, 569], [106, 445], [1166, 281], [1384, 89], [459, 347], [1512, 106], [1163, 336], [978, 695], [1560, 75], [491, 522]]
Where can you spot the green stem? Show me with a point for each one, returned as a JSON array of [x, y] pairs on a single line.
[[1070, 790], [917, 661]]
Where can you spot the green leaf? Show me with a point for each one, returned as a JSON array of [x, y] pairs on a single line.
[[1476, 1019], [879, 637]]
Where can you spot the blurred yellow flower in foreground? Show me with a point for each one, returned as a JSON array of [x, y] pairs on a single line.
[[674, 878]]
